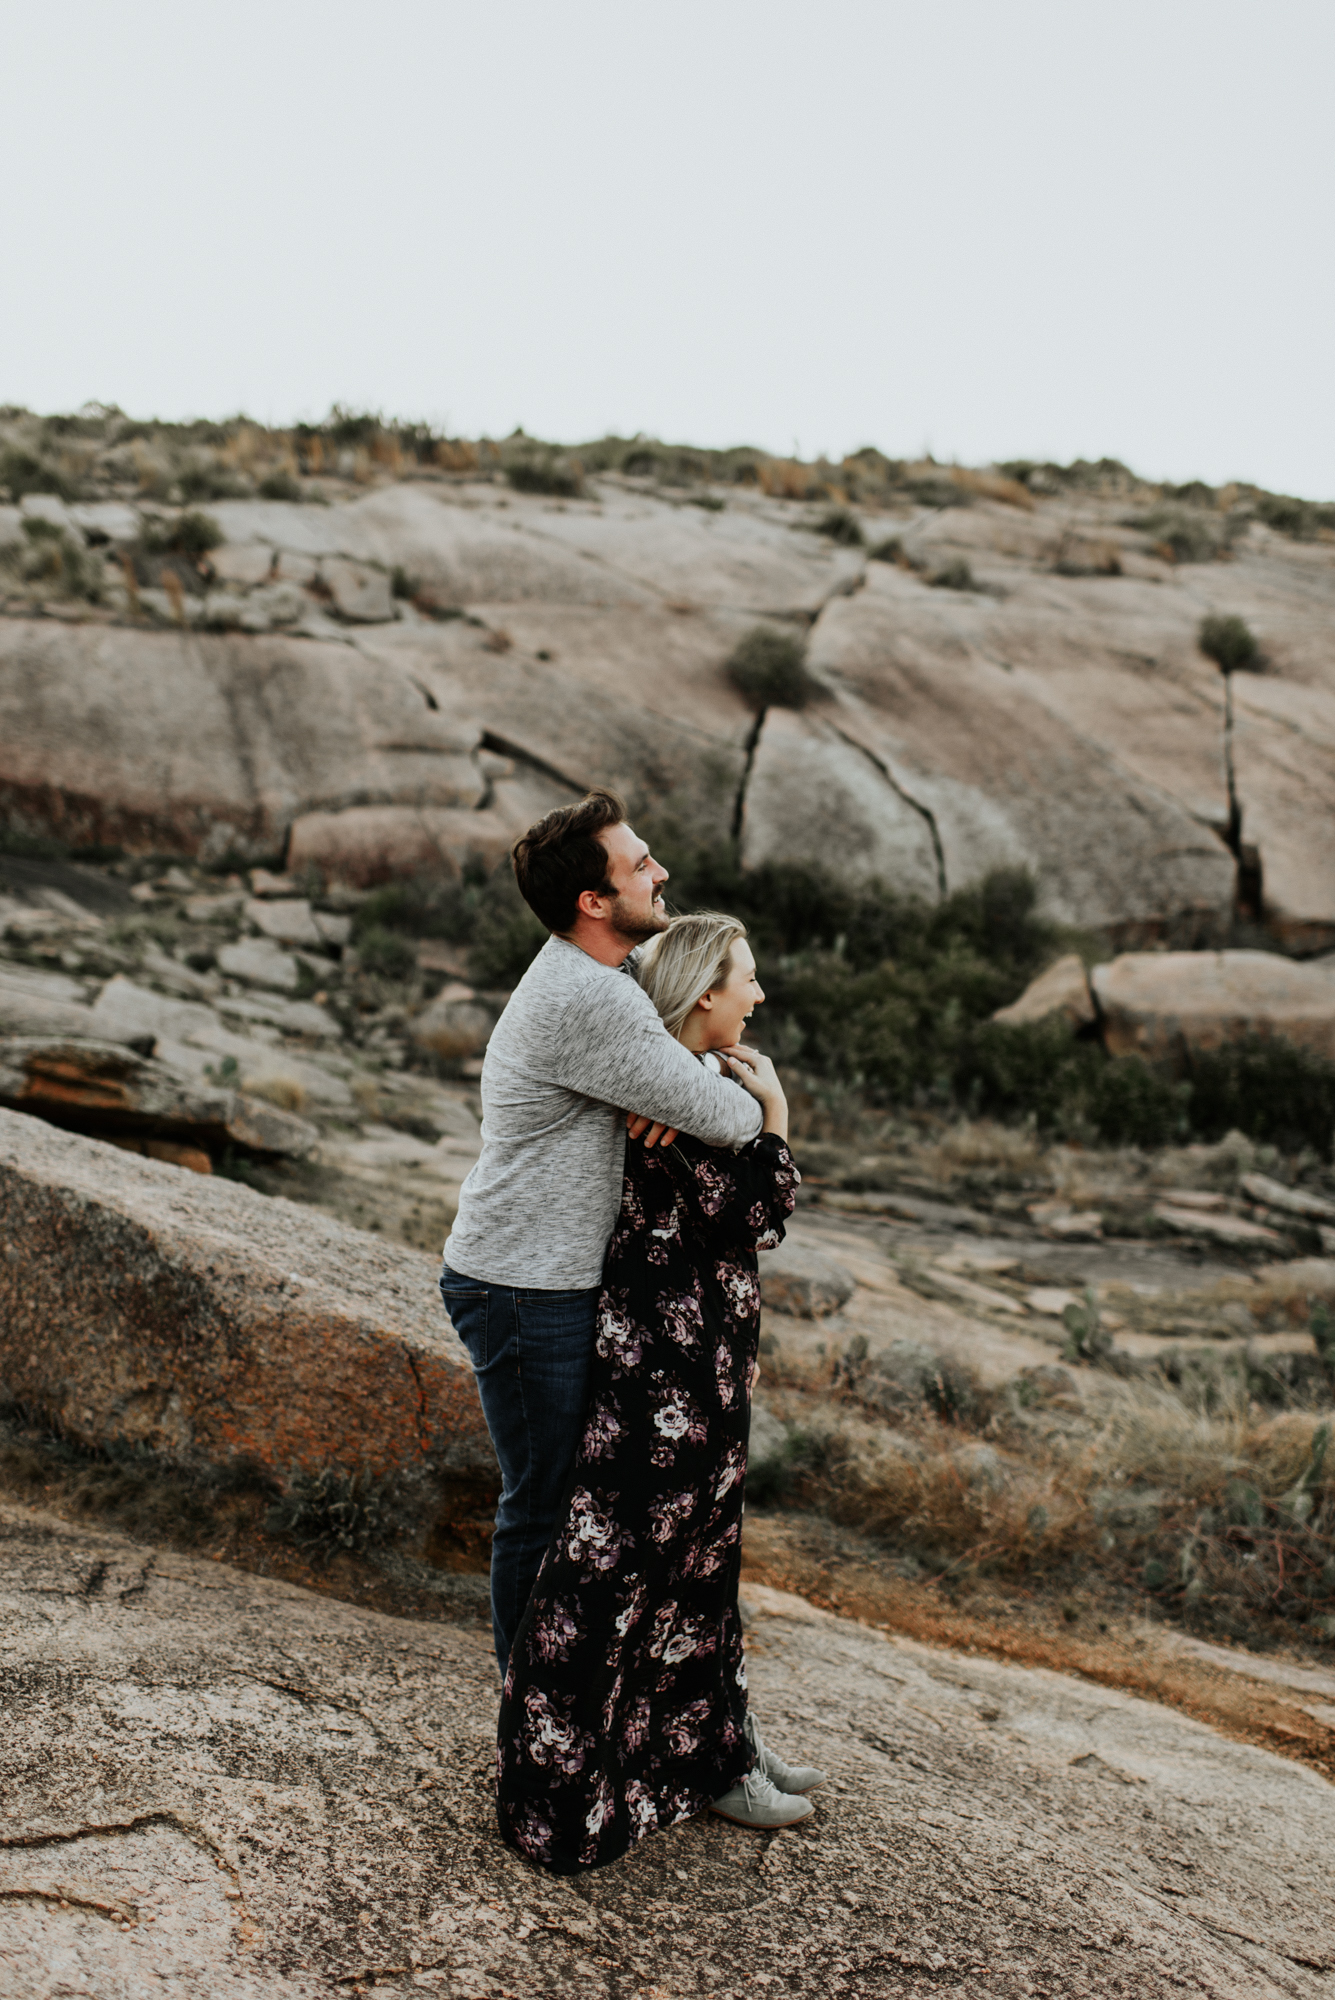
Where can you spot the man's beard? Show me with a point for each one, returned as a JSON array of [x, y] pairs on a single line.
[[629, 923]]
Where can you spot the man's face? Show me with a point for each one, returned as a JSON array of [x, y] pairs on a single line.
[[637, 909]]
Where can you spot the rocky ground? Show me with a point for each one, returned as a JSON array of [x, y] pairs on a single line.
[[217, 1785]]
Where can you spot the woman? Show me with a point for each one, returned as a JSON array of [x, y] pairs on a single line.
[[624, 1706]]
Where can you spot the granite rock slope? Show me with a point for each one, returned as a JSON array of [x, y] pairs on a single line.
[[221, 1787], [1045, 709]]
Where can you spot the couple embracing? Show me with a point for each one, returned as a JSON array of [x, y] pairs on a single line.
[[606, 1293]]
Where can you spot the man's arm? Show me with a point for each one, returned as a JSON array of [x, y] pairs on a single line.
[[612, 1045]]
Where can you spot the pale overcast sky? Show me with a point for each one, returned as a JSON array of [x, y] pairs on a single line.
[[988, 228]]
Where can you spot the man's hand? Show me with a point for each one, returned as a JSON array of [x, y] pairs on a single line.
[[655, 1134]]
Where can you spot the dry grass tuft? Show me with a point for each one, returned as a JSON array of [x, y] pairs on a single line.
[[981, 1146], [283, 1091]]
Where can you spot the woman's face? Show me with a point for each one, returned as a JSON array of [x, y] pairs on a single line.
[[724, 1010]]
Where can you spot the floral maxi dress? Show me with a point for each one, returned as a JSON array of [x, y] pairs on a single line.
[[625, 1700]]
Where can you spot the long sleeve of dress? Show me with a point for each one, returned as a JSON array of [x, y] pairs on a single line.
[[744, 1198]]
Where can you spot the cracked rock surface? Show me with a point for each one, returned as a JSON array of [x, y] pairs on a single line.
[[217, 1786]]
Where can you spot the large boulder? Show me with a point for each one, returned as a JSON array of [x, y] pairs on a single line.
[[1160, 1004], [143, 1304], [1062, 990]]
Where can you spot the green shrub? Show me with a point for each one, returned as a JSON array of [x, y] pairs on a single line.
[[557, 476], [1300, 519], [1130, 1104], [22, 472], [280, 486], [386, 953], [955, 576], [769, 670], [1189, 535], [1274, 1091], [507, 937], [191, 534], [59, 562], [1231, 644], [842, 525]]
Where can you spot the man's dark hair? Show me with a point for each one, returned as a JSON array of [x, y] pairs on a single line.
[[561, 856]]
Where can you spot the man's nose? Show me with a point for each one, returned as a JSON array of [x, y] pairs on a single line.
[[660, 873]]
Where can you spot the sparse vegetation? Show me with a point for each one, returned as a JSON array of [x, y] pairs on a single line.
[[330, 1511], [769, 670], [1186, 534], [1231, 644], [190, 534], [842, 526], [562, 477], [956, 575]]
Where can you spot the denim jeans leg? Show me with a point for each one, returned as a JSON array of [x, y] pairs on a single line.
[[530, 1352]]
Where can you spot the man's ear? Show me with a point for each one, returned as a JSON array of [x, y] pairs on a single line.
[[590, 903]]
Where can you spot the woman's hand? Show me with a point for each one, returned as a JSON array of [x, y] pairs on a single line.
[[757, 1074]]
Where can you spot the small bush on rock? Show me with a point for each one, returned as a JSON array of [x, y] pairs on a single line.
[[955, 576], [191, 534], [563, 478], [1231, 644], [842, 525], [769, 670], [330, 1511]]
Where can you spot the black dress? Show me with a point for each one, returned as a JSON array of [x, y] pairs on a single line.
[[625, 1699]]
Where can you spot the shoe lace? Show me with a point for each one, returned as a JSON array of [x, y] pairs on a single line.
[[758, 1789]]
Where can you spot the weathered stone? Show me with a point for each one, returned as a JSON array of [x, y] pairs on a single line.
[[1161, 1004], [1294, 1201], [214, 909], [246, 563], [26, 1009], [367, 845], [287, 920], [294, 1017], [259, 962], [360, 595], [211, 1322], [455, 1024], [1062, 990], [191, 1039], [802, 1282], [1233, 1231], [107, 1090]]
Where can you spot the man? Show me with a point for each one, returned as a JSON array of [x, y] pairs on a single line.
[[577, 1044]]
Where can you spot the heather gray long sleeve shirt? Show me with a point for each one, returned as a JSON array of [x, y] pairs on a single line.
[[578, 1046]]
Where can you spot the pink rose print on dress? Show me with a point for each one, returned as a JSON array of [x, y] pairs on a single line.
[[662, 1626], [682, 1319], [643, 1809], [684, 1730], [610, 1705], [592, 1536], [604, 1805], [549, 1738], [553, 1633], [731, 1469], [631, 1607], [532, 1834], [619, 1340], [668, 1229], [676, 1419], [602, 1432], [727, 1388], [635, 1727], [714, 1187], [741, 1293], [668, 1514]]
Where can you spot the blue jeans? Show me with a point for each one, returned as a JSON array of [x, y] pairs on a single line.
[[530, 1352]]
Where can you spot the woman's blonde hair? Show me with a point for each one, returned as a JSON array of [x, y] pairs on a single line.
[[690, 958]]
